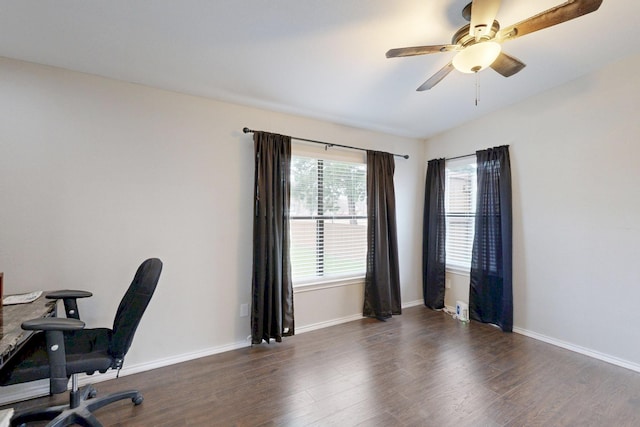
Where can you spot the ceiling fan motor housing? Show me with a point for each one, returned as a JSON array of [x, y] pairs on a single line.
[[464, 39]]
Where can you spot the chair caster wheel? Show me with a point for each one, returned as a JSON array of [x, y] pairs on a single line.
[[137, 400], [93, 393]]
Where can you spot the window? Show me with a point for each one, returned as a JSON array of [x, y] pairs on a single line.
[[328, 219], [460, 211]]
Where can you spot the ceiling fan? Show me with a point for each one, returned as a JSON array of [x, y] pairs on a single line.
[[479, 43]]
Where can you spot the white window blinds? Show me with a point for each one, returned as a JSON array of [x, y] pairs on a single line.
[[328, 219], [460, 211]]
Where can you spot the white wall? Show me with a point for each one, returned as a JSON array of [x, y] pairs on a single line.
[[96, 175], [457, 288], [575, 154]]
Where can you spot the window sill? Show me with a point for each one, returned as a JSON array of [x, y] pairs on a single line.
[[315, 286], [461, 271]]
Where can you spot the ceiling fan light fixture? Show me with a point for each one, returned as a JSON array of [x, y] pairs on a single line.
[[477, 57]]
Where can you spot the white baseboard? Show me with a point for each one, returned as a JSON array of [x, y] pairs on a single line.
[[572, 347], [333, 322], [578, 349], [18, 392], [326, 324], [161, 363], [413, 303]]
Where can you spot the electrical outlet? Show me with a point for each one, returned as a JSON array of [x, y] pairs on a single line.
[[244, 310], [447, 283]]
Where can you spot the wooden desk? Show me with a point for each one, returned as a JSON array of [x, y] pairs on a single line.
[[12, 337]]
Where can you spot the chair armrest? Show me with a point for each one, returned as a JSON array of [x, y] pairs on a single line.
[[53, 324], [69, 297], [54, 329], [68, 293]]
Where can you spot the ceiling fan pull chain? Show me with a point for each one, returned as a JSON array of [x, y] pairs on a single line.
[[477, 87]]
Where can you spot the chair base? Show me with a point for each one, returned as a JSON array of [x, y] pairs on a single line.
[[82, 403]]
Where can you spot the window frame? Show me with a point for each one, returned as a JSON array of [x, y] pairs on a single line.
[[320, 153], [454, 265]]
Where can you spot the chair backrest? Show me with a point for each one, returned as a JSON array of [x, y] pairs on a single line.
[[131, 308]]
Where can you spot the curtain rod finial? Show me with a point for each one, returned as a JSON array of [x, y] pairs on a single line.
[[246, 130]]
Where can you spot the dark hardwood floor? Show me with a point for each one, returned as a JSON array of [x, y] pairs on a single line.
[[422, 368]]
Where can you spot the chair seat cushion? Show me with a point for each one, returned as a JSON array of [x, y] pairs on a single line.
[[86, 351]]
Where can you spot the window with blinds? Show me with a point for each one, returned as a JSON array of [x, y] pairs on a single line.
[[460, 212], [328, 219]]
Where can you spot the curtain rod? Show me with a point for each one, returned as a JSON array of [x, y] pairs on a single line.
[[460, 157], [326, 144]]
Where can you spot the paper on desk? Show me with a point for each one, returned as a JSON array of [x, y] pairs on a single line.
[[5, 417], [21, 298]]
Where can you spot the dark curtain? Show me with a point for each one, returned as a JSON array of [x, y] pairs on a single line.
[[433, 239], [272, 289], [490, 293], [382, 282]]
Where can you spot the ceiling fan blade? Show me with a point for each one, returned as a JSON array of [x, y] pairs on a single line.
[[435, 79], [507, 65], [483, 13], [421, 50], [556, 15]]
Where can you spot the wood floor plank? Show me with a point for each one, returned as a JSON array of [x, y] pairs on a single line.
[[418, 369]]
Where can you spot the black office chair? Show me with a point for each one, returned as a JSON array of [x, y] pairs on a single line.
[[65, 349]]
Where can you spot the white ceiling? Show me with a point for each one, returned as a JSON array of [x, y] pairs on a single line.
[[317, 58]]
